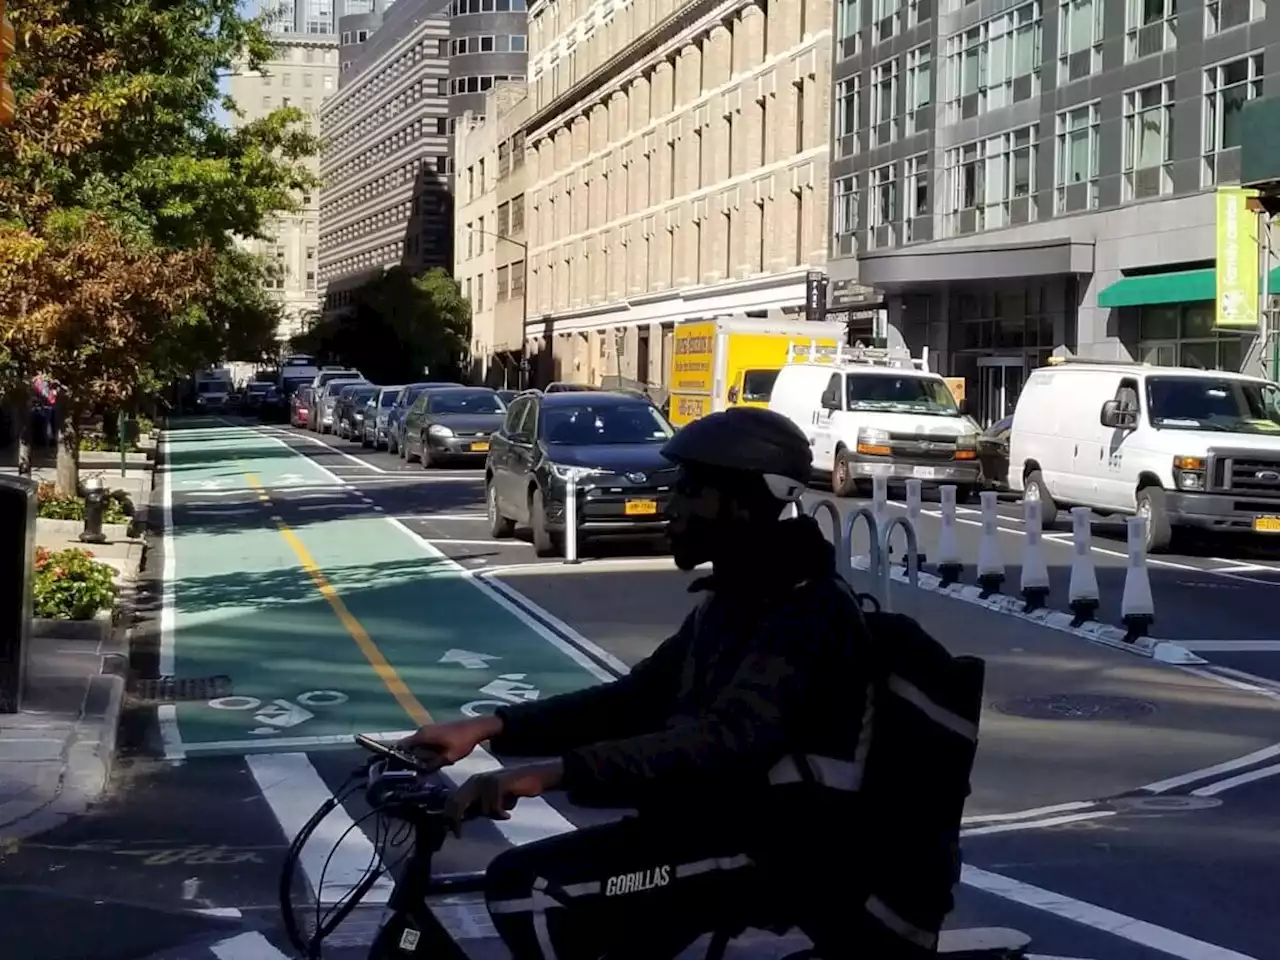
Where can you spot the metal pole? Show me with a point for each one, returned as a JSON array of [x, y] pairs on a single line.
[[120, 430], [1266, 318], [571, 520]]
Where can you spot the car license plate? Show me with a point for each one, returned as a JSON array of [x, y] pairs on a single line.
[[479, 448], [1266, 524], [924, 473], [641, 508]]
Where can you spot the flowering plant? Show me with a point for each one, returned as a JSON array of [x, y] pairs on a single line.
[[71, 585]]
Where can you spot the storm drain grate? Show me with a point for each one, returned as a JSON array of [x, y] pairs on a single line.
[[175, 689], [1066, 706]]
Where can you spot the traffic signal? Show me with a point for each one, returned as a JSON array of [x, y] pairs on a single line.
[[8, 43]]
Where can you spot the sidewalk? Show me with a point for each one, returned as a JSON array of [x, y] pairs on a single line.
[[56, 753]]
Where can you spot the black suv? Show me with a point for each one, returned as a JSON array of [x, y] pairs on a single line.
[[608, 443]]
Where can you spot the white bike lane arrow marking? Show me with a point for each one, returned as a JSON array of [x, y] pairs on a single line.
[[281, 714], [465, 658]]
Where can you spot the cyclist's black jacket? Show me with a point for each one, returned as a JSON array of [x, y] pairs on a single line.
[[770, 666]]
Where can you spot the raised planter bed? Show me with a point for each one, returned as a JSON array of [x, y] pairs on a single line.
[[53, 530], [106, 460], [97, 630]]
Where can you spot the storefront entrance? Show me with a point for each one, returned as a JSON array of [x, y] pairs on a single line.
[[999, 382]]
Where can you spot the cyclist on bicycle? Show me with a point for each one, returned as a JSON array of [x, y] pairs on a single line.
[[737, 741]]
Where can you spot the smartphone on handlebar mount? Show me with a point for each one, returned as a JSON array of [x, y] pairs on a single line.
[[392, 752]]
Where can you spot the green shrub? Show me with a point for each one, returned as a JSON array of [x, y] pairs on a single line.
[[71, 585], [55, 507]]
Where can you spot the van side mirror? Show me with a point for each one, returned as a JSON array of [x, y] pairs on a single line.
[[733, 394], [1116, 418], [830, 401]]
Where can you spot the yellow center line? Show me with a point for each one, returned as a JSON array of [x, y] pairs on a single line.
[[381, 666]]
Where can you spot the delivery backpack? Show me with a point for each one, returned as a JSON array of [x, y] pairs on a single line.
[[916, 749]]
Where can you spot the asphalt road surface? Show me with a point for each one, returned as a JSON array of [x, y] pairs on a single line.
[[1121, 808]]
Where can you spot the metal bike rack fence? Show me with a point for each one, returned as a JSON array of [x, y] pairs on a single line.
[[878, 565]]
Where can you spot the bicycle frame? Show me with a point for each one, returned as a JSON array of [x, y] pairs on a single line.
[[410, 928]]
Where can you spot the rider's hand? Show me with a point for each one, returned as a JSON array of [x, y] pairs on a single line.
[[453, 741], [493, 794]]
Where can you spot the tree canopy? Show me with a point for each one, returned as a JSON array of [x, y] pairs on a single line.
[[116, 148], [398, 325]]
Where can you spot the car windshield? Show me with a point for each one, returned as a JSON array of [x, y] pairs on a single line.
[[757, 385], [904, 394], [363, 394], [1207, 403], [413, 395], [589, 424], [213, 386], [464, 401], [388, 398]]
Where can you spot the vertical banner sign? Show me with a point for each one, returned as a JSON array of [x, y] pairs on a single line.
[[1237, 267], [815, 296]]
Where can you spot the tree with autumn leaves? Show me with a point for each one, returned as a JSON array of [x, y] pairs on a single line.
[[121, 196]]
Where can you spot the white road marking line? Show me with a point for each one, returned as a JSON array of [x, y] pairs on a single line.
[[1232, 646], [488, 589], [333, 477], [230, 913], [170, 736], [1227, 766], [1045, 956], [1213, 789], [217, 512], [601, 654], [1249, 678], [1034, 812], [1253, 565], [342, 453], [1034, 824], [286, 743], [1099, 918], [294, 790], [247, 946], [499, 544], [1217, 675], [169, 574], [430, 517], [532, 819]]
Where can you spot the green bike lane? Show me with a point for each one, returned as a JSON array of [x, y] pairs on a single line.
[[325, 626]]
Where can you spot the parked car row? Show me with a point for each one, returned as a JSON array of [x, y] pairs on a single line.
[[531, 444]]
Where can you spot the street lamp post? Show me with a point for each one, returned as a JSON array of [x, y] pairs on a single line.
[[524, 291]]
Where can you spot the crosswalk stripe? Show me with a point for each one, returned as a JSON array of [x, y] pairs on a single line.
[[339, 854]]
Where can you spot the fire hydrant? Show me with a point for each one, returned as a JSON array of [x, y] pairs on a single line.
[[95, 508]]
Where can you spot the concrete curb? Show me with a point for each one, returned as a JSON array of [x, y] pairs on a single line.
[[97, 629], [1104, 634], [71, 530]]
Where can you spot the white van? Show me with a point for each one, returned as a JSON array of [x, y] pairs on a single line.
[[1180, 447], [869, 413]]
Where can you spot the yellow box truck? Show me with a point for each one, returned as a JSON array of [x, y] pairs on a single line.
[[733, 361]]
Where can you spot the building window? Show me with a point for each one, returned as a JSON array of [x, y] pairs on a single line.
[[849, 24], [883, 211], [884, 102], [885, 19], [1148, 141], [915, 200], [919, 86], [1183, 335], [844, 221], [918, 12], [1150, 27], [1228, 87], [1077, 180], [1080, 53], [991, 183], [848, 106], [1222, 15], [994, 64]]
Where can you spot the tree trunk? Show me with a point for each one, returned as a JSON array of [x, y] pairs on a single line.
[[68, 482], [22, 431]]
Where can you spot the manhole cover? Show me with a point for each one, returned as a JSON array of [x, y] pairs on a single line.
[[1084, 706], [1164, 804], [174, 689]]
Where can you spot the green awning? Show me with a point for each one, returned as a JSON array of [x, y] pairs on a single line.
[[1180, 286]]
